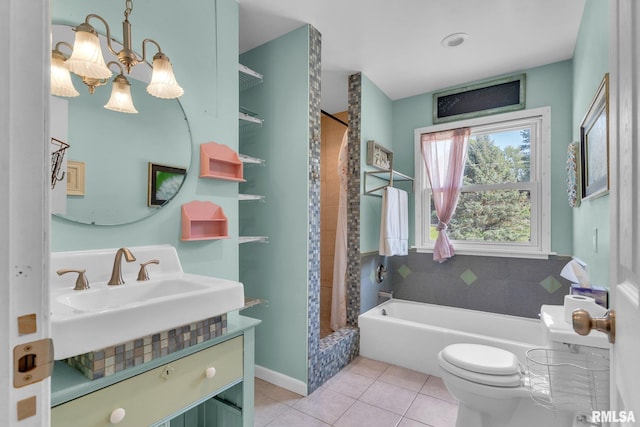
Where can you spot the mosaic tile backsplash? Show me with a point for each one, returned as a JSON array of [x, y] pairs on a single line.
[[108, 361]]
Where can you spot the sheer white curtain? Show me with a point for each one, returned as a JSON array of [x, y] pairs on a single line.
[[444, 155]]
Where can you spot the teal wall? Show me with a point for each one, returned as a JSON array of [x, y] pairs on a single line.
[[590, 63], [547, 85], [375, 125], [203, 47], [277, 271]]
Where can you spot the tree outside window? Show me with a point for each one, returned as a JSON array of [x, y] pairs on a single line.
[[503, 196]]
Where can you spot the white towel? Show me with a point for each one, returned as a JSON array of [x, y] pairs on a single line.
[[394, 223]]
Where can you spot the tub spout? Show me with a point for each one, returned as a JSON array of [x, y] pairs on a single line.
[[387, 295], [116, 273]]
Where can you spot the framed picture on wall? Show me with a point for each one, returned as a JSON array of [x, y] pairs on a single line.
[[594, 144], [379, 156], [75, 178], [164, 183]]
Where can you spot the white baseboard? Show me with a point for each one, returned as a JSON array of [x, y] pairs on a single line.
[[281, 380]]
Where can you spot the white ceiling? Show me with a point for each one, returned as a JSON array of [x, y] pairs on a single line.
[[397, 43]]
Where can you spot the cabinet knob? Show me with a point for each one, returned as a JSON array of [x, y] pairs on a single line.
[[210, 372], [117, 416]]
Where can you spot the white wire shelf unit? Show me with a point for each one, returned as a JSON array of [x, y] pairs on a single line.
[[252, 302], [252, 239], [248, 77], [250, 197], [249, 160], [249, 122]]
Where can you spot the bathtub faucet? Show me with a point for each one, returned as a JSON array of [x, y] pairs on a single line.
[[387, 295]]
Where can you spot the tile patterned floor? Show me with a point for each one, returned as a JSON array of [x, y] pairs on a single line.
[[365, 393]]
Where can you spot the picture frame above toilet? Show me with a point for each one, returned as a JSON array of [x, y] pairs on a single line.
[[594, 144]]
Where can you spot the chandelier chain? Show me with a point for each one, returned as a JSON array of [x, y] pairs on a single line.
[[128, 8]]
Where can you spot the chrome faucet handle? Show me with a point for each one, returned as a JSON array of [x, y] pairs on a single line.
[[142, 274], [81, 282]]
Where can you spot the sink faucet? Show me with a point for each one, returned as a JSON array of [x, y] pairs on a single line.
[[116, 273]]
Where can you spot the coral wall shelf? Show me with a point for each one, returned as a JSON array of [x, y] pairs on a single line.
[[203, 221], [218, 161]]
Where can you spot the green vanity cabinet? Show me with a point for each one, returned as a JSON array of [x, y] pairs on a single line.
[[208, 385]]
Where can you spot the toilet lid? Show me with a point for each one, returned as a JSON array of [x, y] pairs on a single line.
[[482, 359], [510, 381]]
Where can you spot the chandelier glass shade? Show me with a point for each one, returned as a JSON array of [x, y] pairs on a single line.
[[120, 99], [87, 59], [61, 84]]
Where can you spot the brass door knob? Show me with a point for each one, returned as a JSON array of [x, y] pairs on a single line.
[[583, 323]]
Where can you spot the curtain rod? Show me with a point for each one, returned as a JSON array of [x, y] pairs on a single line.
[[333, 117]]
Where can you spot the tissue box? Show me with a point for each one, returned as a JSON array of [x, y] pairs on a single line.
[[598, 293]]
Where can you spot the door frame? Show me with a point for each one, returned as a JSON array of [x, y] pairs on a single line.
[[24, 210]]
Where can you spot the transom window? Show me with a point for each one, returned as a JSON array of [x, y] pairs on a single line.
[[504, 204]]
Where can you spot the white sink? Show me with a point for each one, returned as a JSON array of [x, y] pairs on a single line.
[[102, 316], [103, 297]]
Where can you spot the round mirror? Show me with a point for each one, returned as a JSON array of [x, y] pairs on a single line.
[[120, 168]]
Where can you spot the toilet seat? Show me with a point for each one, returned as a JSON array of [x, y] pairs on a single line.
[[482, 364]]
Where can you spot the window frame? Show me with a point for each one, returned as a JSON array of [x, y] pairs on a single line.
[[540, 188]]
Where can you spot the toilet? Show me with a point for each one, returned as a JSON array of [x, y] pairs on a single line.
[[492, 385]]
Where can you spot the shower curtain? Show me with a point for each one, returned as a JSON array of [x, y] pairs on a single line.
[[339, 291]]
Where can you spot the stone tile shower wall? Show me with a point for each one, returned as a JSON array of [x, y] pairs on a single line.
[[353, 200], [499, 285], [313, 268], [329, 355]]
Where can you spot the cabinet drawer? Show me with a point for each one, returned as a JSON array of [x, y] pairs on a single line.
[[156, 394]]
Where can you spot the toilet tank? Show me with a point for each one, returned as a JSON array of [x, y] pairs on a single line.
[[561, 336]]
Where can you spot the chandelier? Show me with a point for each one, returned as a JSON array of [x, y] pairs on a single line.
[[87, 61]]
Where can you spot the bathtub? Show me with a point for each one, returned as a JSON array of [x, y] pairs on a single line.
[[411, 334]]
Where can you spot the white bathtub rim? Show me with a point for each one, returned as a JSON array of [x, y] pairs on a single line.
[[377, 310], [414, 345]]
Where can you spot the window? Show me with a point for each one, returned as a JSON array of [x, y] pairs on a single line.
[[504, 205]]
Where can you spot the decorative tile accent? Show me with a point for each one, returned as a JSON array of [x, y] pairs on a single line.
[[353, 200], [551, 284], [108, 361], [404, 271], [468, 277], [314, 370], [514, 286], [336, 351]]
